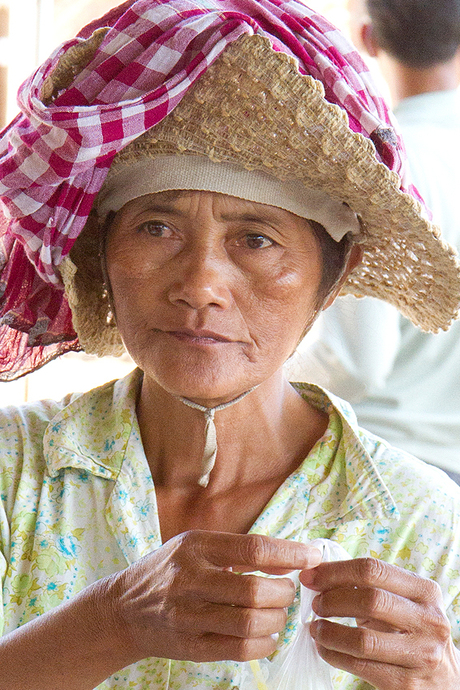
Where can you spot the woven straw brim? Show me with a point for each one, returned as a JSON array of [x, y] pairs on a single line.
[[252, 107]]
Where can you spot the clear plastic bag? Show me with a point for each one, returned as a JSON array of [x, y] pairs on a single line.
[[302, 667]]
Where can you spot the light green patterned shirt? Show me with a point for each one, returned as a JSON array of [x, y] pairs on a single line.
[[78, 503]]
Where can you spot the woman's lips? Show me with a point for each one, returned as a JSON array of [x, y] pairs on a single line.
[[200, 336]]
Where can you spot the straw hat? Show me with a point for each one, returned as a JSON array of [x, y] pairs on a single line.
[[255, 109]]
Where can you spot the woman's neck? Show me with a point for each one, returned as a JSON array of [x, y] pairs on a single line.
[[264, 435], [261, 440], [405, 81]]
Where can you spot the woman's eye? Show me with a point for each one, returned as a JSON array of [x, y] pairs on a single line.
[[256, 241], [155, 229]]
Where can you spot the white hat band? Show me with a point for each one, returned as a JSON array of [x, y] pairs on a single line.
[[167, 173]]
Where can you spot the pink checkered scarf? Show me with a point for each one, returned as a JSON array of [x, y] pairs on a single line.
[[54, 159]]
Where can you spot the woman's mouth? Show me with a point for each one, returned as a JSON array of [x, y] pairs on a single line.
[[200, 337]]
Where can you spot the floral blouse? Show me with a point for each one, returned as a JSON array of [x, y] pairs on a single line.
[[78, 503]]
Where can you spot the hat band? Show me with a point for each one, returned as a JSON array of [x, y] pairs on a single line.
[[189, 172]]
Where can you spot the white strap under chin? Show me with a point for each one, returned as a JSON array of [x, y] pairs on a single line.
[[210, 446]]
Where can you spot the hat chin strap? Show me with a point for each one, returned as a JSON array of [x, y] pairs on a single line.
[[210, 446]]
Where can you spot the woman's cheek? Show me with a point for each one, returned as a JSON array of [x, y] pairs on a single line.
[[290, 283]]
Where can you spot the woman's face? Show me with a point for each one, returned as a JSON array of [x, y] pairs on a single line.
[[211, 293]]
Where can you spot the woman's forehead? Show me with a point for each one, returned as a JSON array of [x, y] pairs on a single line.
[[223, 206]]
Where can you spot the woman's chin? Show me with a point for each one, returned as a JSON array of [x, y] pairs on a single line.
[[207, 394], [208, 379], [209, 387]]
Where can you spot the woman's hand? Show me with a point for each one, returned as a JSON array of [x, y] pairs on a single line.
[[403, 638], [182, 602], [185, 600]]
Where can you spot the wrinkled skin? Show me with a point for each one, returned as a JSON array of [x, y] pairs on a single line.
[[184, 602], [192, 262], [403, 636], [186, 265], [211, 295]]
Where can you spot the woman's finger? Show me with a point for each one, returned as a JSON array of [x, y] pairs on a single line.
[[371, 572], [252, 552], [211, 647], [373, 604], [364, 643], [235, 621], [430, 667], [388, 660], [379, 675], [248, 591]]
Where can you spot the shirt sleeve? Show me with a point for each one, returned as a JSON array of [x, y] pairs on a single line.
[[3, 568], [6, 491], [21, 463]]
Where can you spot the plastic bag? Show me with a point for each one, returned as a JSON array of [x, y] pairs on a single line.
[[302, 667]]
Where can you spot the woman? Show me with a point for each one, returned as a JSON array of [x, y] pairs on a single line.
[[241, 197]]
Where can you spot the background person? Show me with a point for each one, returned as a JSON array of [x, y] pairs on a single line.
[[180, 183], [403, 383]]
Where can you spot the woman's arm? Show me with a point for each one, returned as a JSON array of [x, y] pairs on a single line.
[[182, 601], [74, 646]]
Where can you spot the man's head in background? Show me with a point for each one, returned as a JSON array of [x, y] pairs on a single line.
[[415, 41]]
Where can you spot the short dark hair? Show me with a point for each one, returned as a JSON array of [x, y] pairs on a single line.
[[418, 33], [334, 256]]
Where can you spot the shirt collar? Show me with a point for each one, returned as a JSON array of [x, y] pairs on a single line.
[[350, 486], [93, 433]]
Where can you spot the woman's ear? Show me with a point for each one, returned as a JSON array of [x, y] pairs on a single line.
[[354, 258]]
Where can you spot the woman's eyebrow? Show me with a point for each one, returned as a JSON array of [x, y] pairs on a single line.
[[164, 201], [261, 217], [164, 208]]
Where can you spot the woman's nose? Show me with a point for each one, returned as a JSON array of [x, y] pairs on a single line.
[[201, 280]]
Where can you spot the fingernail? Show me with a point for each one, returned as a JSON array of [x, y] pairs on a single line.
[[315, 557], [308, 577]]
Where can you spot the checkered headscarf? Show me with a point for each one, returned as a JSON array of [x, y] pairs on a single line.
[[54, 157]]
